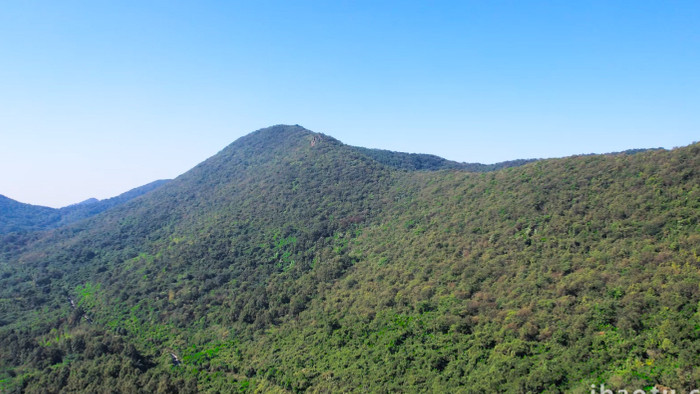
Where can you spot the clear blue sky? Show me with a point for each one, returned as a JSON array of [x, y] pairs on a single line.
[[97, 97]]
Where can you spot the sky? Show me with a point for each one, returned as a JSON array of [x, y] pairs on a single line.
[[100, 97]]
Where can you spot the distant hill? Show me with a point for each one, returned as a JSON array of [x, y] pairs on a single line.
[[19, 217], [86, 202], [426, 162], [291, 262], [420, 161]]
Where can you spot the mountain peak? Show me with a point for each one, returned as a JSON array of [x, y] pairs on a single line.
[[275, 140], [293, 261], [279, 131]]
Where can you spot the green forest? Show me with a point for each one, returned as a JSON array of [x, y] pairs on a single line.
[[291, 262], [20, 217]]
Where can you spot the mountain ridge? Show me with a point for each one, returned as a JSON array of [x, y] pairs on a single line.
[[17, 216], [290, 261], [265, 139]]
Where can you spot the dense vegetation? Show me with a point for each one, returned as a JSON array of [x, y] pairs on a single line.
[[422, 161], [19, 217], [291, 262]]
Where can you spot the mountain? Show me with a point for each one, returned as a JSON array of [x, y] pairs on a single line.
[[292, 262], [421, 161], [86, 202], [19, 217]]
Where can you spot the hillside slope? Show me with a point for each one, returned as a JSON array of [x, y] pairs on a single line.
[[19, 217], [292, 262], [421, 161], [557, 275]]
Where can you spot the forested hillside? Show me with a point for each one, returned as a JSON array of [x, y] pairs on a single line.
[[19, 217], [421, 161], [292, 262]]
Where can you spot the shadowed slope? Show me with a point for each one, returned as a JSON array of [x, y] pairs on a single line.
[[19, 217]]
